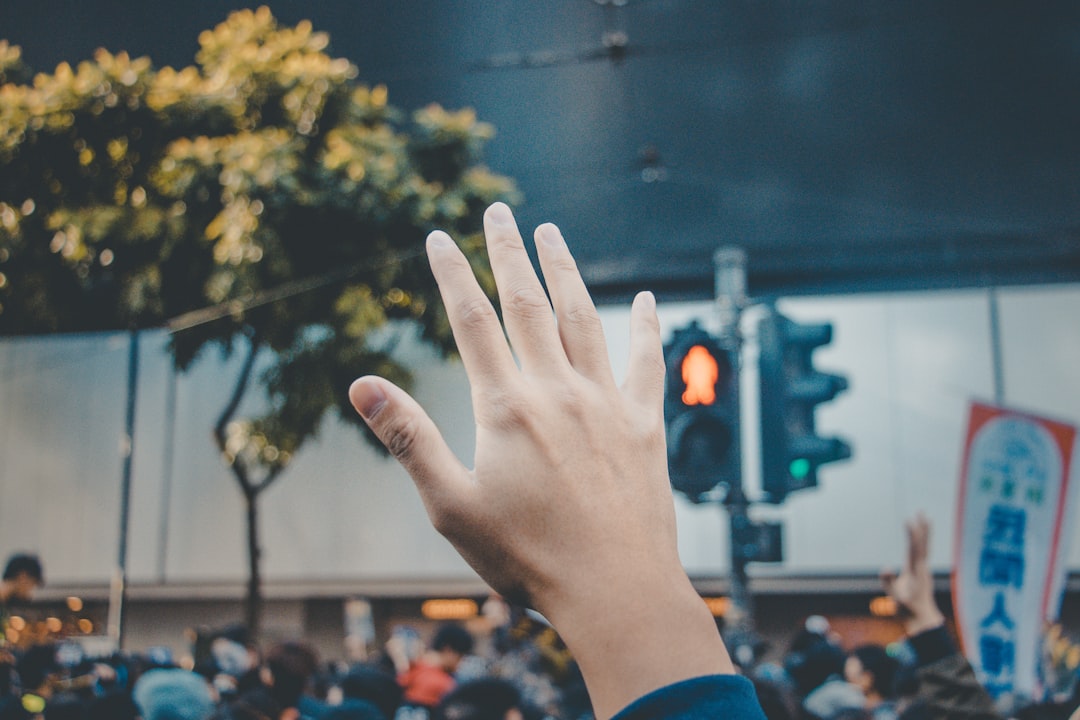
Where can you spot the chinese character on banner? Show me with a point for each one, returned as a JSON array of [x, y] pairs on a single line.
[[1009, 565], [1001, 561]]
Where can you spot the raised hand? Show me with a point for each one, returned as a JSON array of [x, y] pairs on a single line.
[[568, 507], [913, 588]]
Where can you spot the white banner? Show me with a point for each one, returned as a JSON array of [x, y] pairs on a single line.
[[1008, 571]]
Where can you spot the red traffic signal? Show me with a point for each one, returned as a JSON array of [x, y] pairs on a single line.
[[701, 412], [700, 372]]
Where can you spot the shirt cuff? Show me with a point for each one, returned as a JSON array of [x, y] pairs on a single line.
[[932, 645], [709, 696]]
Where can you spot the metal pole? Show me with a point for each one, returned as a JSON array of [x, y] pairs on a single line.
[[127, 449], [740, 618], [167, 473], [995, 348], [730, 266]]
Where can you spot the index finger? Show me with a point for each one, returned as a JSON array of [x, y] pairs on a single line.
[[918, 530], [479, 336]]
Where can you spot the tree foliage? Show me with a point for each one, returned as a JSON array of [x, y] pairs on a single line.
[[259, 195], [263, 182]]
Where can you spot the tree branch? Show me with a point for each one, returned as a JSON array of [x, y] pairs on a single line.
[[267, 481], [230, 409]]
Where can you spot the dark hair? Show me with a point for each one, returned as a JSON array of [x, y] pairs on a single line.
[[876, 661], [485, 699], [36, 664], [812, 667], [365, 682], [22, 563], [852, 714], [257, 705], [65, 707], [353, 710], [906, 681], [236, 632], [292, 664], [113, 705], [451, 636], [776, 701]]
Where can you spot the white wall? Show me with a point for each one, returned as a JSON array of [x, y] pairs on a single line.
[[342, 512]]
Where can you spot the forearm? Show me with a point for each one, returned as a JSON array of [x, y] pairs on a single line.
[[924, 618], [631, 641], [947, 682], [932, 645]]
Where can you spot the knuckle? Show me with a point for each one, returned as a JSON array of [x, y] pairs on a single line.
[[503, 410], [581, 404], [571, 400], [476, 311], [582, 318], [399, 437], [564, 263], [528, 302]]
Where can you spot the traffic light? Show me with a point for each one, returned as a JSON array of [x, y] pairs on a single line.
[[791, 389], [701, 413], [757, 541]]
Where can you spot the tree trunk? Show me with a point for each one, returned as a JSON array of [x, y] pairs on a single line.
[[249, 489], [253, 601]]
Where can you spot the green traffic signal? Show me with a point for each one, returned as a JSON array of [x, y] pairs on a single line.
[[799, 468]]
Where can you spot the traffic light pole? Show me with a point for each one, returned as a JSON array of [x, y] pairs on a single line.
[[730, 268]]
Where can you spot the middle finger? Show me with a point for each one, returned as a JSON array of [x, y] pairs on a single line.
[[527, 313]]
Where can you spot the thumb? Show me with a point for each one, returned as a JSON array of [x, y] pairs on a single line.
[[412, 438]]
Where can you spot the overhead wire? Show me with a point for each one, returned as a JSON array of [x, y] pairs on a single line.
[[227, 308], [209, 314]]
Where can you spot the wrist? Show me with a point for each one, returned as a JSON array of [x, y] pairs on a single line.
[[923, 620], [931, 645], [632, 638]]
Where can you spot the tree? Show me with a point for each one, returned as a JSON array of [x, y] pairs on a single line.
[[260, 200]]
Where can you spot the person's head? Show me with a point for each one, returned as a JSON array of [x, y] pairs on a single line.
[[256, 705], [872, 669], [113, 705], [373, 685], [65, 707], [775, 700], [36, 666], [173, 695], [22, 575], [452, 642], [816, 664], [290, 665], [486, 699], [354, 710]]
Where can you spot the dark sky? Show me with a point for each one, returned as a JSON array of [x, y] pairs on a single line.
[[849, 146]]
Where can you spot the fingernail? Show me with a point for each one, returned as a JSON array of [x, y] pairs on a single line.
[[439, 239], [367, 397], [550, 235], [500, 213], [648, 300]]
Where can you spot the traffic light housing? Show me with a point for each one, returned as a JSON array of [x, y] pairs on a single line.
[[791, 390], [701, 413]]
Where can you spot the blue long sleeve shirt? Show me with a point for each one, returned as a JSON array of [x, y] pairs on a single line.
[[727, 697]]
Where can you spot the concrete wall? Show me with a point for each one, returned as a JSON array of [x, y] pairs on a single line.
[[344, 513]]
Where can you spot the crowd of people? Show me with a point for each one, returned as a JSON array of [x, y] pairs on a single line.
[[557, 439], [516, 670]]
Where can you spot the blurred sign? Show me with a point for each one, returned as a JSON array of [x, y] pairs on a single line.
[[1009, 566], [359, 629]]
